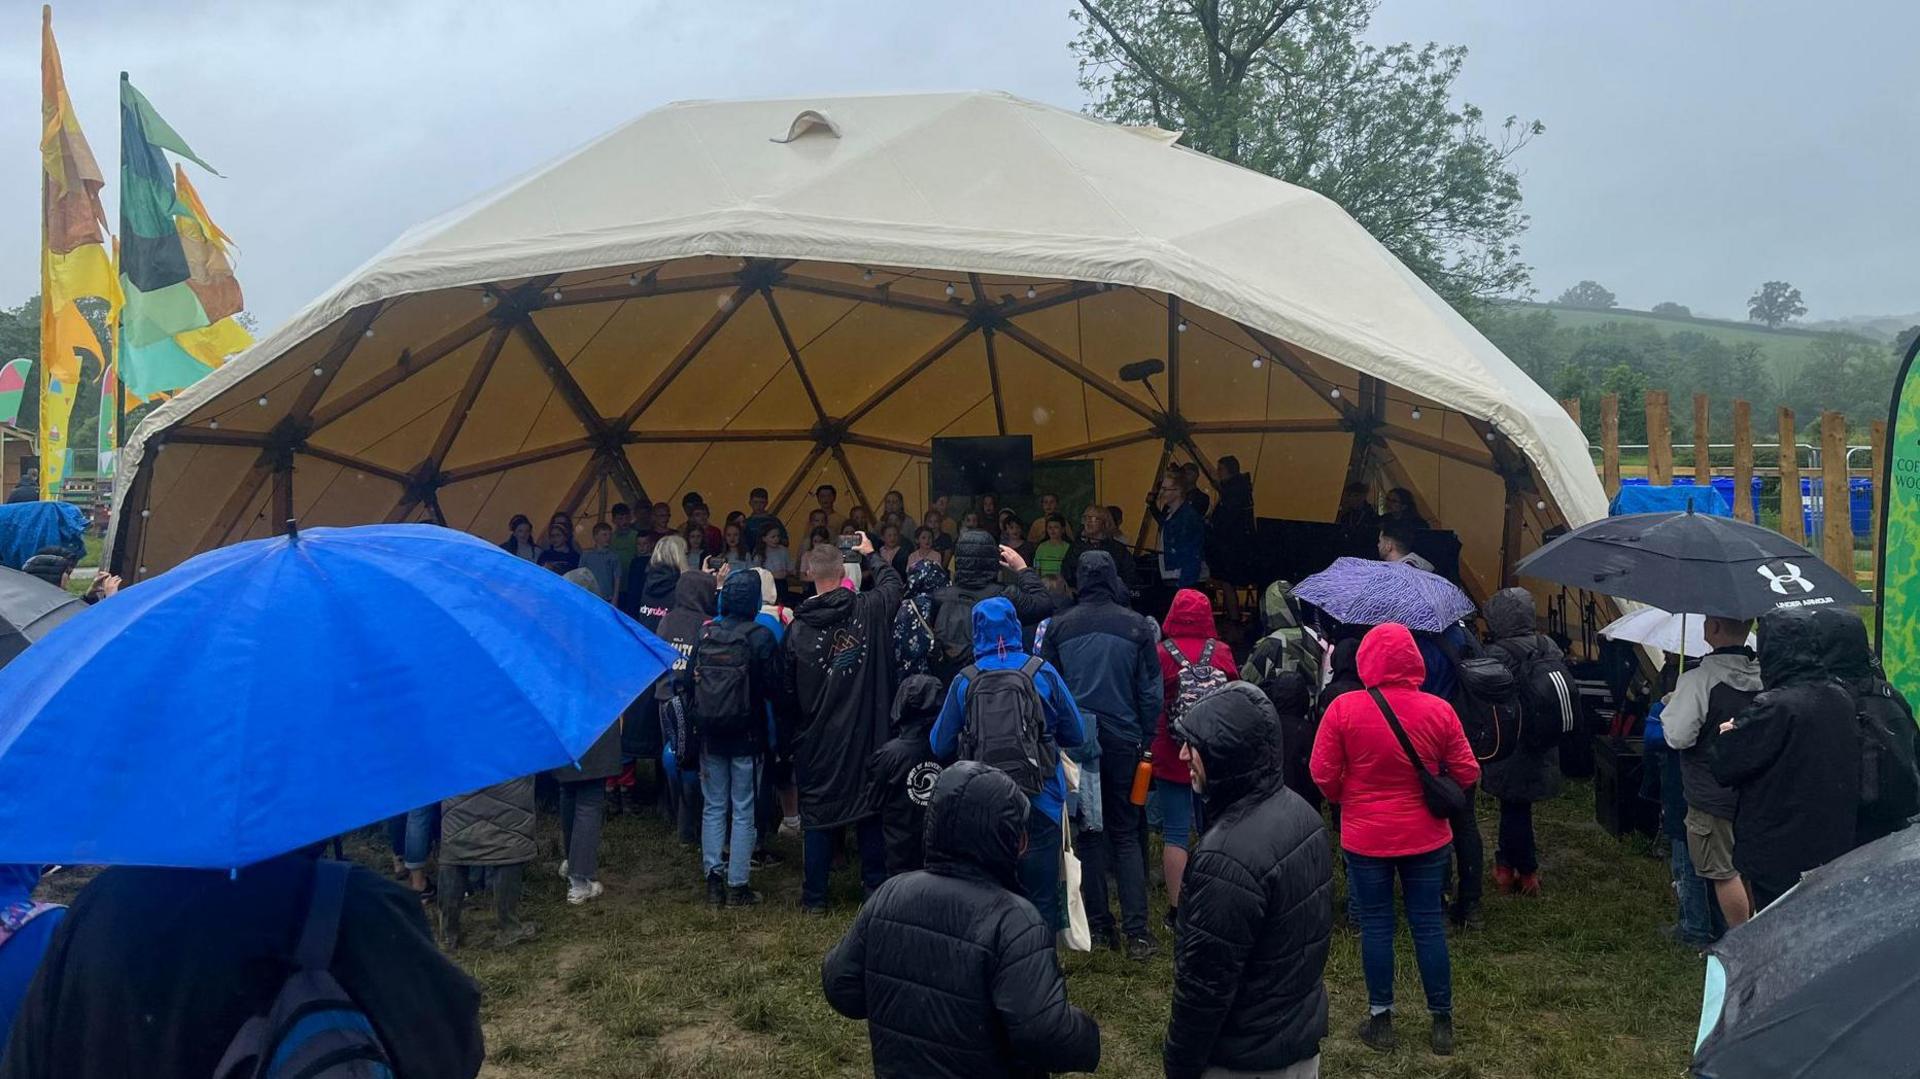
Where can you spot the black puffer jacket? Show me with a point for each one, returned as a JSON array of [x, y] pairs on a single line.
[[1528, 775], [1794, 758], [976, 577], [951, 967], [1849, 660], [902, 770], [1256, 910], [839, 676]]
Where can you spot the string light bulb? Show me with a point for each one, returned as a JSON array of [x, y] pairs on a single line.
[[950, 289], [1491, 435], [1540, 505], [146, 513], [1258, 363], [318, 371], [213, 425], [1416, 412], [556, 295], [866, 275], [486, 299], [633, 279], [261, 402], [1181, 326], [1032, 292], [1334, 393], [369, 332]]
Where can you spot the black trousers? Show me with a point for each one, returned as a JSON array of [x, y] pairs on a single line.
[[1118, 848], [1469, 853], [1516, 850]]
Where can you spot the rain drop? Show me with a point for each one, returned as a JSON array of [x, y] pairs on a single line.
[[1041, 416]]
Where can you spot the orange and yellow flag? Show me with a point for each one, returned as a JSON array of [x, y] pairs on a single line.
[[73, 261]]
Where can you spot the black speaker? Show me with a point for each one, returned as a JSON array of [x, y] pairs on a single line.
[[1000, 465]]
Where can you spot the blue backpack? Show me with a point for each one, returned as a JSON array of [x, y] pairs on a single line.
[[313, 1030]]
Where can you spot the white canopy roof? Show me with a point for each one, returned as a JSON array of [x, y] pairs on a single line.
[[928, 189]]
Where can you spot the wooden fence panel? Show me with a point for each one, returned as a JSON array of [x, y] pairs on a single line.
[[1659, 439], [1610, 443], [1743, 461], [1572, 405], [1836, 533], [1702, 455], [1793, 524]]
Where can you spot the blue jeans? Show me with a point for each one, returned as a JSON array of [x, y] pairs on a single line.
[[1423, 882], [423, 827], [1040, 867], [728, 783], [816, 859]]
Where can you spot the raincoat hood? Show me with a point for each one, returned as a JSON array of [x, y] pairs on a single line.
[[769, 589], [925, 578], [1388, 657], [827, 609], [694, 591], [1510, 614], [1846, 652], [1290, 693], [1099, 579], [996, 630], [1236, 732], [1344, 663], [978, 819], [918, 701], [1190, 617], [1278, 610], [659, 587], [740, 596], [976, 559], [1792, 648]]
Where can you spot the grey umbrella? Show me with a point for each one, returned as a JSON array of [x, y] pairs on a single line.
[[29, 609]]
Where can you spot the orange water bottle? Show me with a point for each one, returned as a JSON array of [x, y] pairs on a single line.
[[1142, 778]]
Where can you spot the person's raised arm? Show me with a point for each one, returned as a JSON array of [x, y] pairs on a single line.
[[1031, 600]]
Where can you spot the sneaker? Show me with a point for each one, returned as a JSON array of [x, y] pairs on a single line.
[[1530, 885], [1467, 916], [717, 889], [814, 910], [507, 938], [564, 867], [1504, 879], [1377, 1032], [739, 895], [1141, 949], [578, 893], [1441, 1040], [765, 859], [1110, 937], [790, 826], [1172, 920]]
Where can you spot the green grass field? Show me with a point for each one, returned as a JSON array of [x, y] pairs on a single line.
[[649, 981], [1783, 350]]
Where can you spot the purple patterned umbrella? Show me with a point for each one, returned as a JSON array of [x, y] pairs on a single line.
[[1362, 592]]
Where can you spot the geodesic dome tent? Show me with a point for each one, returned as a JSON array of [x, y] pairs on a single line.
[[722, 295]]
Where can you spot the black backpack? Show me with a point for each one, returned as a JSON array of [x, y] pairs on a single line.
[[1889, 785], [1548, 698], [313, 1029], [1488, 703], [1006, 725], [723, 678]]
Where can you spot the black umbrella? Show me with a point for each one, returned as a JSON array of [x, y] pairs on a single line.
[[29, 609], [1822, 983], [1692, 562]]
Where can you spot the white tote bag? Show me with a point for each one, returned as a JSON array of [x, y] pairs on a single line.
[[1077, 936]]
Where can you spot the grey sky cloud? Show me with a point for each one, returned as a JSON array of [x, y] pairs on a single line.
[[1692, 150]]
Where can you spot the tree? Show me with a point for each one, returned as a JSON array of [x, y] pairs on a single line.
[[1289, 88], [1590, 295], [1674, 310], [1903, 344], [1775, 303]]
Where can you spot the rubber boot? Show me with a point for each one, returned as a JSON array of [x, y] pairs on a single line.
[[509, 881]]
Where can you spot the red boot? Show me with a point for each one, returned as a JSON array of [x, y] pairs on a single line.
[[1530, 885], [1504, 879]]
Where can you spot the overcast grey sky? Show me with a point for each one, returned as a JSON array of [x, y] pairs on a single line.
[[1692, 149]]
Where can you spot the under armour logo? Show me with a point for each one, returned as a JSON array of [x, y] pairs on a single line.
[[1779, 581]]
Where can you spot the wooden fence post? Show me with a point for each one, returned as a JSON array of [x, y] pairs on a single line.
[[1793, 521], [1743, 461], [1836, 534], [1572, 405], [1879, 440], [1659, 439], [1610, 443], [1702, 454]]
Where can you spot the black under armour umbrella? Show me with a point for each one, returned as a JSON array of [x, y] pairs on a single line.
[[1822, 983], [29, 609], [1692, 562]]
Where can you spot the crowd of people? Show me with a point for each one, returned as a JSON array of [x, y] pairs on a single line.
[[971, 714]]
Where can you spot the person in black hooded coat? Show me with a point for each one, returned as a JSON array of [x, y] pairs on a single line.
[[1885, 716], [903, 771], [952, 968], [1794, 759], [1256, 914], [695, 598], [977, 562]]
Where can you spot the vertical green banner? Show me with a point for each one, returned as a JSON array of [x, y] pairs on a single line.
[[1899, 578]]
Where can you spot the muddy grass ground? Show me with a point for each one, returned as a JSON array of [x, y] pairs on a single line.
[[649, 981]]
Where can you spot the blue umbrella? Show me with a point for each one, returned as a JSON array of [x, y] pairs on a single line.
[[271, 694], [1362, 592]]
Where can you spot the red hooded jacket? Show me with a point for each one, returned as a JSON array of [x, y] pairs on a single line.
[[1189, 625], [1359, 764]]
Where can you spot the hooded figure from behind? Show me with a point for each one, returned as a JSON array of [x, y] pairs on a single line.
[[953, 970], [976, 578], [1256, 914], [1890, 785], [1794, 759], [914, 644], [904, 771]]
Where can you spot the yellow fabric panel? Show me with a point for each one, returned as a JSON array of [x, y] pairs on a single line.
[[411, 322], [518, 409], [484, 505], [1105, 331], [630, 348], [723, 473], [723, 378], [84, 271], [1478, 501], [190, 485], [778, 403], [936, 398], [397, 430], [212, 344], [854, 357], [325, 495], [1047, 402], [881, 471], [71, 333]]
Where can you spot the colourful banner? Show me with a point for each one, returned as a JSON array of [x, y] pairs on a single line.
[[1899, 577], [181, 294], [73, 258], [13, 389]]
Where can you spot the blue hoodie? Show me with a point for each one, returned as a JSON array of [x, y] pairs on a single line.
[[997, 645]]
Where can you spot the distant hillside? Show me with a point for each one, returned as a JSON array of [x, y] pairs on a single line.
[[1783, 351], [1879, 327]]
